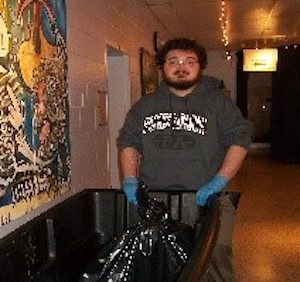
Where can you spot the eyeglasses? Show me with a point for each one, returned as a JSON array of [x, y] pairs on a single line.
[[175, 62]]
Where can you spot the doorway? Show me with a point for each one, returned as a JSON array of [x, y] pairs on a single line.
[[259, 106], [118, 104]]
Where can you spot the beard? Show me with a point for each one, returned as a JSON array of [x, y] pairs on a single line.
[[179, 84]]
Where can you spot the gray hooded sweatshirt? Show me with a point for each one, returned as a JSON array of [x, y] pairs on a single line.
[[183, 140]]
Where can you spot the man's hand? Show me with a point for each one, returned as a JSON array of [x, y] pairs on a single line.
[[215, 185], [129, 186]]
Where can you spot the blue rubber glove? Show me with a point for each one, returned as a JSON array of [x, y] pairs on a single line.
[[215, 185], [129, 186]]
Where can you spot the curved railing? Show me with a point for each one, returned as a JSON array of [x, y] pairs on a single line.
[[207, 232]]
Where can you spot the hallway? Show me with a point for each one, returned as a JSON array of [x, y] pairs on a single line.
[[266, 240]]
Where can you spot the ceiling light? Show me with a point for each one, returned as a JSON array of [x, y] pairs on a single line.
[[264, 60]]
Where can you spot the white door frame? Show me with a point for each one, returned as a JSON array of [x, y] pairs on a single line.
[[118, 81]]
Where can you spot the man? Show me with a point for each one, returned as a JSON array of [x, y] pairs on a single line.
[[186, 135]]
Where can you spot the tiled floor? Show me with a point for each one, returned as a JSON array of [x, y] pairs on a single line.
[[266, 239]]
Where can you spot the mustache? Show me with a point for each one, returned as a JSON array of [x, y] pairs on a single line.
[[181, 72]]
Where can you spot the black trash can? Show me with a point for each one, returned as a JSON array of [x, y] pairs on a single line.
[[114, 220]]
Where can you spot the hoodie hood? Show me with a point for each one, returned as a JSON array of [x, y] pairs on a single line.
[[173, 103]]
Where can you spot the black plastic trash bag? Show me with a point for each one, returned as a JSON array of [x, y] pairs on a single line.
[[154, 250]]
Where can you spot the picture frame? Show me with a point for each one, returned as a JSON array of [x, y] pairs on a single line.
[[155, 41], [148, 71], [227, 93]]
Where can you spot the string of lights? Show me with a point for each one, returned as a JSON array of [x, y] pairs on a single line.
[[224, 26]]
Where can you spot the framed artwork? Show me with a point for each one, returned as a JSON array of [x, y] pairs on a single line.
[[34, 123], [227, 93], [155, 41], [149, 72]]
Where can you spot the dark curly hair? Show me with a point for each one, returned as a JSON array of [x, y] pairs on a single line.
[[181, 44]]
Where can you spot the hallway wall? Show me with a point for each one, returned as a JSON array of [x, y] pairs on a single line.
[[125, 25], [222, 69], [91, 25]]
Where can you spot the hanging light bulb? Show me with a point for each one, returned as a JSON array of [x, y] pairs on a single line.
[[224, 28]]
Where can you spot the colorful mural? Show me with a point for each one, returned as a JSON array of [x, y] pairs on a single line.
[[34, 140]]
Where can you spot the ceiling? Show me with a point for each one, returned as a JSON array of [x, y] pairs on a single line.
[[250, 23]]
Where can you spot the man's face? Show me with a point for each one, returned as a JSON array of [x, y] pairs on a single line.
[[181, 69]]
